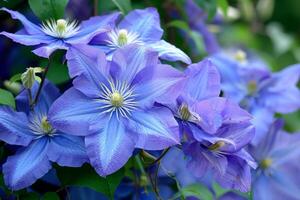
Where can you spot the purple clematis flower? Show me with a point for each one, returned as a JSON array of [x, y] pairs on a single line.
[[278, 154], [214, 130], [60, 34], [111, 104], [140, 27], [41, 143], [249, 82]]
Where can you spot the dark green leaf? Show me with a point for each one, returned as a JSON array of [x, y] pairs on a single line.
[[51, 196], [87, 177], [123, 5], [47, 9], [6, 98]]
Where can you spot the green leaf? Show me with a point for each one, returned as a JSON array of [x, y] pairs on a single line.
[[47, 9], [210, 6], [15, 78], [87, 177], [51, 196], [195, 190], [6, 98], [223, 4], [123, 5]]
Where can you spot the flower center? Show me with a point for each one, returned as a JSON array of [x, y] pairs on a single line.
[[60, 28], [240, 56], [252, 86], [46, 127], [116, 99], [266, 163], [122, 37], [184, 112], [216, 145]]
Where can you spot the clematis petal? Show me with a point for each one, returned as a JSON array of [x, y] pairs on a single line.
[[46, 50], [92, 27], [110, 148], [240, 134], [30, 40], [237, 175], [283, 95], [127, 62], [156, 129], [167, 51], [203, 80], [28, 26], [159, 87], [29, 164], [145, 22], [14, 127], [88, 60], [67, 150], [77, 111]]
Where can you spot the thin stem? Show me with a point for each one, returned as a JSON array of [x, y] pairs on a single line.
[[154, 186], [161, 156], [95, 7], [41, 84], [29, 96]]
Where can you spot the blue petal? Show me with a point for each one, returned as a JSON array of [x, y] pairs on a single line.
[[14, 127], [145, 23], [130, 60], [92, 27], [67, 150], [156, 83], [203, 80], [167, 51], [72, 112], [28, 26], [29, 164], [237, 175], [88, 60], [111, 147], [29, 40], [46, 50], [156, 129]]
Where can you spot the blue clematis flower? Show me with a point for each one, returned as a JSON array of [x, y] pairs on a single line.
[[139, 27], [60, 34], [215, 130], [41, 143], [247, 80], [277, 176], [111, 104]]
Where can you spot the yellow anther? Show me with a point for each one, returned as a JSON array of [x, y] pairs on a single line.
[[266, 163], [47, 128], [184, 112], [61, 25], [216, 145], [122, 37], [116, 99], [240, 56]]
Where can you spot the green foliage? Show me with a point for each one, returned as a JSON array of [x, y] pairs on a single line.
[[6, 98], [87, 177], [223, 5], [50, 196], [195, 190], [123, 5], [48, 9], [210, 6]]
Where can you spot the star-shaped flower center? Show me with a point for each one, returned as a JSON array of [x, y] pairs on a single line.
[[120, 37], [60, 28]]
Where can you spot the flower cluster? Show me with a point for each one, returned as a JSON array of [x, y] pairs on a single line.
[[125, 100]]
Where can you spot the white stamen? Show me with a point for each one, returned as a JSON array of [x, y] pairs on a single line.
[[119, 38], [40, 126], [60, 28], [118, 97]]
